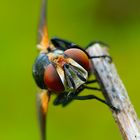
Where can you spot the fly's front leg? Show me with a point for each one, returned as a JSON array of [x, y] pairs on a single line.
[[101, 56]]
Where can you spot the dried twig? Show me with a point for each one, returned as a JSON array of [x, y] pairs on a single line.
[[115, 93]]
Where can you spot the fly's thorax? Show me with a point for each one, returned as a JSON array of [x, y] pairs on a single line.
[[57, 57], [54, 55], [46, 49]]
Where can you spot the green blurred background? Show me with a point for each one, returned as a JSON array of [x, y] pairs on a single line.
[[116, 23]]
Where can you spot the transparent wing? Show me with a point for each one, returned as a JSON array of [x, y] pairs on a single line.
[[43, 39], [42, 109]]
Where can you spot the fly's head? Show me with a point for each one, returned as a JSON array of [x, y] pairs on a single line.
[[61, 71]]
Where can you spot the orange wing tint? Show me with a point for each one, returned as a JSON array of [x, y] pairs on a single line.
[[45, 39], [42, 109]]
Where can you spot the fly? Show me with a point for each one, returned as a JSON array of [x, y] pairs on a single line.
[[63, 68]]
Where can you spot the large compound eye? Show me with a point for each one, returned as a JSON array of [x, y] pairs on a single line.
[[52, 79], [79, 56]]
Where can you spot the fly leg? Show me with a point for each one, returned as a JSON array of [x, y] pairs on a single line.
[[89, 97], [91, 81], [101, 56], [92, 88]]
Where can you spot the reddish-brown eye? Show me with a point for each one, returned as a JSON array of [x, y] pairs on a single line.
[[52, 79], [79, 56]]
